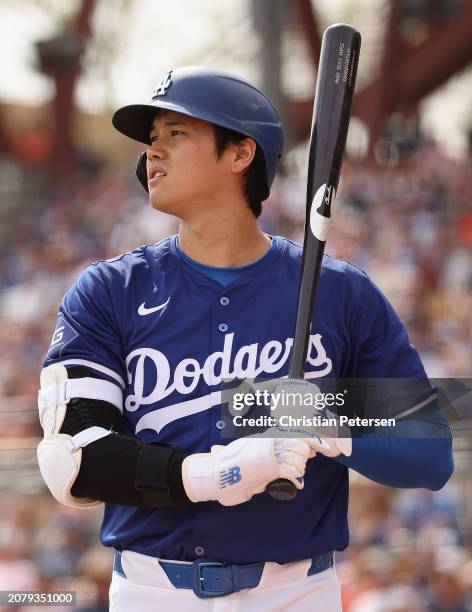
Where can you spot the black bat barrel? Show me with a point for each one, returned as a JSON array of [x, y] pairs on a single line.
[[332, 109], [331, 113]]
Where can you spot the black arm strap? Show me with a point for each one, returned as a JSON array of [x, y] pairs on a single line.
[[152, 474], [120, 469]]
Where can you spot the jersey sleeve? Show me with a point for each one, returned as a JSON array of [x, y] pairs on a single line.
[[382, 346], [383, 360], [87, 333], [417, 450]]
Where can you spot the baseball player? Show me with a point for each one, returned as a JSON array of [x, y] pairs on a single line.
[[130, 398]]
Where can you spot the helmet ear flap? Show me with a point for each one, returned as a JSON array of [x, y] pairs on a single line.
[[141, 171]]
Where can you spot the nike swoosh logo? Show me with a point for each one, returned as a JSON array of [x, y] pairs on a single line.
[[143, 311]]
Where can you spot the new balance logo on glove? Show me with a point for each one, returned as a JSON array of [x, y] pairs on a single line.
[[230, 476]]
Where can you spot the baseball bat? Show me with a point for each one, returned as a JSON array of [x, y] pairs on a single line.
[[336, 79]]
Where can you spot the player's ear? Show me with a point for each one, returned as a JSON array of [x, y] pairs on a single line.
[[243, 154]]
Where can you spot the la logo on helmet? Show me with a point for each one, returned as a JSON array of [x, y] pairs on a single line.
[[163, 85]]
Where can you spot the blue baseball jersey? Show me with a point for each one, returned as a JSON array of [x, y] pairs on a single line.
[[167, 334]]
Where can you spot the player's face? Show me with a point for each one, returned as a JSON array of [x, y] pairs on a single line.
[[184, 173]]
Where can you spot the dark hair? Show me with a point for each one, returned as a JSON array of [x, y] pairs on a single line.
[[255, 185]]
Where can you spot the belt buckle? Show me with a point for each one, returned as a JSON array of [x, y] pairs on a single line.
[[197, 579]]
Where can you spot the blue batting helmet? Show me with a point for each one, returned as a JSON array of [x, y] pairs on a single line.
[[215, 96]]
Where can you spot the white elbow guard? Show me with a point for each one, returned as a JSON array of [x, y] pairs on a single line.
[[60, 455], [59, 458]]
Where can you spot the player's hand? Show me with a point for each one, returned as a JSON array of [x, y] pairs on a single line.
[[311, 420], [233, 474], [330, 447]]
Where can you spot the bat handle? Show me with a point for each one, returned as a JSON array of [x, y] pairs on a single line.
[[281, 489]]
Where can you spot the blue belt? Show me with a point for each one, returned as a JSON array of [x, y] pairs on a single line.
[[210, 578]]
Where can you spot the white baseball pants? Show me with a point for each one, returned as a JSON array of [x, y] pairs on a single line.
[[282, 588]]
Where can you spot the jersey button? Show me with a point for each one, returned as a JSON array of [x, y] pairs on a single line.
[[199, 550], [223, 327], [224, 301], [220, 424]]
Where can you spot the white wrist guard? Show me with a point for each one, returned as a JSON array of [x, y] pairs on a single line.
[[60, 455], [233, 474]]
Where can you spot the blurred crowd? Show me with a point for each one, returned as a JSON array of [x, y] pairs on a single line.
[[410, 228], [410, 551], [47, 547]]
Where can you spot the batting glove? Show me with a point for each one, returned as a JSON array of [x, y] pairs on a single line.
[[232, 474]]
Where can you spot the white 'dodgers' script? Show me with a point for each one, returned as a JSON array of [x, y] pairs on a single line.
[[248, 362]]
